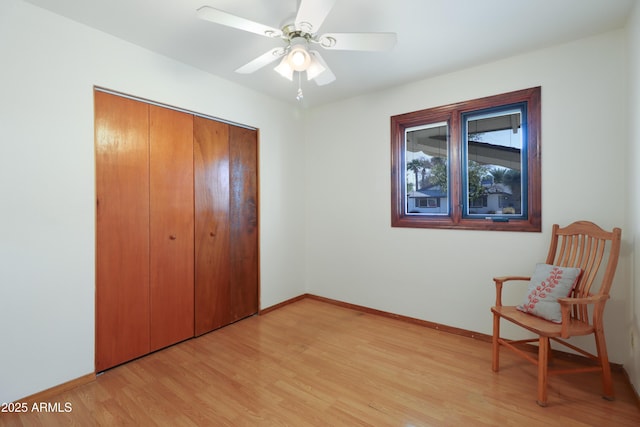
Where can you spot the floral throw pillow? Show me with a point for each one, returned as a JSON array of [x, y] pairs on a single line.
[[548, 283]]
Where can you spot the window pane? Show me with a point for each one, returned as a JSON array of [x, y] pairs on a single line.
[[426, 154], [494, 163]]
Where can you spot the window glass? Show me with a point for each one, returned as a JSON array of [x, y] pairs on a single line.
[[494, 163], [426, 177]]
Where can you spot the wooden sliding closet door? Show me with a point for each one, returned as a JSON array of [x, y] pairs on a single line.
[[226, 272], [144, 235], [177, 227], [211, 169], [170, 226], [122, 229], [243, 210]]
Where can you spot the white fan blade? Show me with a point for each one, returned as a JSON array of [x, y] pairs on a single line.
[[358, 41], [325, 77], [312, 13], [223, 18], [262, 60]]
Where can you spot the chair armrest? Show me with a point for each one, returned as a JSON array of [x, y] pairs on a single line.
[[568, 302], [503, 279]]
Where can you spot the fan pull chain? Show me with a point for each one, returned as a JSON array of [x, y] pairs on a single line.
[[299, 96]]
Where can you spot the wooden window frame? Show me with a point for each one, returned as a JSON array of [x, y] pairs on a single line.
[[452, 114]]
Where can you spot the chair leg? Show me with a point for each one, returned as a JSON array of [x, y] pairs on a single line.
[[607, 382], [543, 353], [495, 360]]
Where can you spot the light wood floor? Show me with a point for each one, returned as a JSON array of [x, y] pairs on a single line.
[[311, 363]]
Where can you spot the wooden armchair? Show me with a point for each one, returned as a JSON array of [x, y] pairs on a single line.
[[595, 251]]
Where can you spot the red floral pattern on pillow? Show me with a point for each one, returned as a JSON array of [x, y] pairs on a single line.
[[543, 289], [548, 283]]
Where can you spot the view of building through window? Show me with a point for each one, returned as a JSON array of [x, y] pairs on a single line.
[[426, 158], [493, 162]]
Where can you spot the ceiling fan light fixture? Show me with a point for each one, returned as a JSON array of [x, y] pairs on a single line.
[[298, 56], [299, 59], [315, 68], [284, 69]]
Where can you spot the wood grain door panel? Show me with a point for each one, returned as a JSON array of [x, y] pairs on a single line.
[[243, 212], [122, 230], [171, 226], [211, 164]]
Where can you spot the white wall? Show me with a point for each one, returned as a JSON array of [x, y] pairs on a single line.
[[632, 365], [445, 276], [49, 67]]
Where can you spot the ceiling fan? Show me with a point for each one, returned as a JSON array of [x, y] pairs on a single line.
[[300, 36]]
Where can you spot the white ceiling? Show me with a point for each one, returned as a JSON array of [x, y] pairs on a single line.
[[434, 36]]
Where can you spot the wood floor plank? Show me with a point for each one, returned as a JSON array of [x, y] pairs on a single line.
[[312, 363]]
